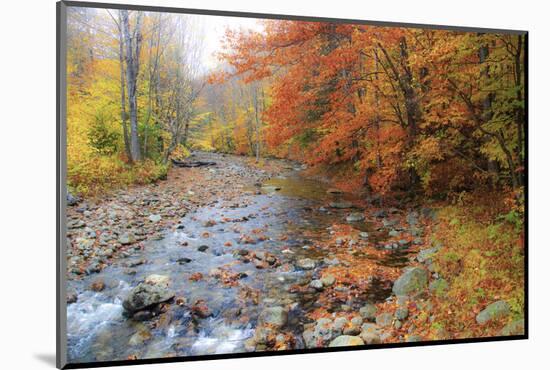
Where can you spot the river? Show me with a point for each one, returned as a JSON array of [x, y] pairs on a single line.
[[288, 217]]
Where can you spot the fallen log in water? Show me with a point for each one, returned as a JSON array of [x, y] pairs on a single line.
[[192, 164]]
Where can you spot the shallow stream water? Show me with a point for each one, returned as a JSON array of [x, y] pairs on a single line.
[[291, 222]]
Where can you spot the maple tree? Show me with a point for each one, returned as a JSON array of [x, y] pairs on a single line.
[[399, 107], [437, 113]]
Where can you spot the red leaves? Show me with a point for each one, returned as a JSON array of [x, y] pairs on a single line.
[[196, 276], [200, 309], [246, 239], [384, 102], [210, 223]]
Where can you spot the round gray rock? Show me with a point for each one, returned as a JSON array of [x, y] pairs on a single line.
[[306, 264], [384, 319], [495, 310], [341, 205], [276, 316], [368, 311], [355, 217], [412, 281], [346, 340], [146, 295]]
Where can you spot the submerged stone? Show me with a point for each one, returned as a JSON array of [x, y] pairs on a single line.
[[276, 316], [341, 205]]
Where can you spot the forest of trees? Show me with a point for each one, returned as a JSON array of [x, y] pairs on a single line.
[[386, 108], [134, 79], [408, 108], [424, 129]]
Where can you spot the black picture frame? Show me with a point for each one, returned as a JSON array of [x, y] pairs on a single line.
[[61, 189]]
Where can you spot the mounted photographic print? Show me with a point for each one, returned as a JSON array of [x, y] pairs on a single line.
[[235, 184]]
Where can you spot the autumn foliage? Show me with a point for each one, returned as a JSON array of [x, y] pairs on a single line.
[[122, 132], [397, 107]]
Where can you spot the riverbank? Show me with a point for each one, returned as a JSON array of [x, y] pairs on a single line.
[[233, 258], [110, 226]]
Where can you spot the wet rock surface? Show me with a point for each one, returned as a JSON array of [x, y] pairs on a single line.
[[144, 296]]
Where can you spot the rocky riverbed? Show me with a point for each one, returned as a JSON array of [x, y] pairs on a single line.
[[234, 258]]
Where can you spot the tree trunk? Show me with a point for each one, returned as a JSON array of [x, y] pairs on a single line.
[[487, 114], [185, 132], [520, 111], [132, 69], [405, 81], [257, 122], [153, 72], [123, 114]]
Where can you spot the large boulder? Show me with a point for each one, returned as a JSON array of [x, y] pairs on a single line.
[[276, 316], [412, 281], [346, 341], [146, 295], [494, 311]]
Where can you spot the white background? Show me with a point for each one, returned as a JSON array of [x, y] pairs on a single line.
[[27, 203]]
